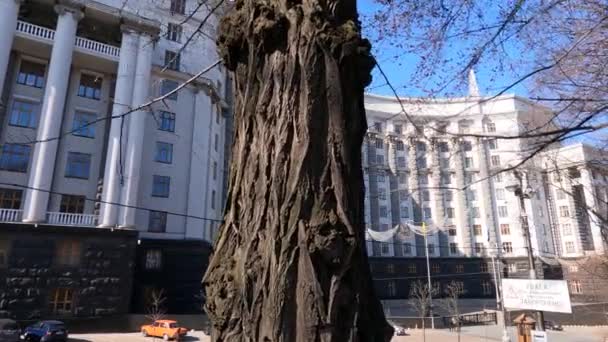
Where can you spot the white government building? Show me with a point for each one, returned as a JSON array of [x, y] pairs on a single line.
[[412, 177], [65, 67]]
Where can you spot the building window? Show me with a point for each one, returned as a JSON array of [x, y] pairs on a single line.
[[564, 211], [444, 163], [178, 7], [390, 268], [449, 212], [212, 199], [477, 229], [157, 222], [500, 194], [402, 178], [15, 157], [73, 204], [483, 267], [576, 287], [498, 178], [431, 248], [512, 268], [164, 152], [161, 186], [495, 160], [491, 127], [421, 147], [400, 146], [154, 259], [166, 87], [443, 147], [452, 231], [379, 144], [172, 60], [383, 211], [84, 124], [401, 161], [467, 146], [392, 289], [475, 212], [90, 86], [492, 144], [167, 121], [453, 248], [68, 253], [486, 287], [216, 142], [448, 195], [427, 213], [567, 228], [502, 211], [61, 301], [379, 159], [174, 32], [459, 268], [446, 178], [505, 229], [214, 170], [406, 248], [384, 248], [570, 247], [436, 268], [10, 198], [573, 268], [421, 162], [468, 162], [426, 195], [23, 114], [403, 195], [398, 129], [382, 194], [411, 268], [507, 247], [479, 248], [78, 165], [31, 74], [378, 126], [559, 194]]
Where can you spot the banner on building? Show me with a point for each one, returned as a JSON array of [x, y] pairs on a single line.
[[536, 294]]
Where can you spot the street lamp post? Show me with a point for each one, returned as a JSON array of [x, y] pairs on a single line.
[[500, 304], [518, 189], [428, 274]]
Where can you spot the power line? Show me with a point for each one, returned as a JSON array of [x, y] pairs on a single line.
[[111, 203]]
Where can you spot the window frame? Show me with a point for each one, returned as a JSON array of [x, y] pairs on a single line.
[[166, 121], [159, 183], [14, 155], [174, 32], [84, 128], [153, 260], [172, 60], [9, 195], [62, 296], [177, 7], [163, 152], [72, 204], [68, 253], [15, 117], [39, 80], [166, 88], [77, 162], [153, 227], [84, 89]]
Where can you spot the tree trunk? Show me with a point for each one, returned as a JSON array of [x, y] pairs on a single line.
[[290, 263]]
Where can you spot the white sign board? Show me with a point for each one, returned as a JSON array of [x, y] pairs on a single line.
[[539, 336], [536, 294]]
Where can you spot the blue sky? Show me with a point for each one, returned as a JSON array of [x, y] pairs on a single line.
[[399, 67]]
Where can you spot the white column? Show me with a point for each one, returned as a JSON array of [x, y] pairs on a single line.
[[122, 98], [43, 162], [9, 10], [199, 168], [137, 122]]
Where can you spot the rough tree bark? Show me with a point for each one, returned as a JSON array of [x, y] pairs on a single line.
[[289, 263]]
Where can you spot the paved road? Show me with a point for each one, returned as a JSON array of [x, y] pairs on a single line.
[[469, 334]]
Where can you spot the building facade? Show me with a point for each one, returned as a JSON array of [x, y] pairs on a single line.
[[443, 163], [84, 144]]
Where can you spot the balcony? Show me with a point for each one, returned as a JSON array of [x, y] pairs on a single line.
[[84, 45], [10, 215], [70, 219]]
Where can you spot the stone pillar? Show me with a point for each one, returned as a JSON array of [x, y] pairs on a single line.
[[486, 197], [463, 221], [436, 193], [45, 152], [415, 196], [137, 123], [9, 10], [122, 97]]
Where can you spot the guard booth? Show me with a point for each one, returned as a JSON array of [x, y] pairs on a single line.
[[524, 325]]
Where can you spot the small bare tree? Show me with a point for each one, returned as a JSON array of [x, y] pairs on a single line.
[[156, 308], [420, 300], [453, 291]]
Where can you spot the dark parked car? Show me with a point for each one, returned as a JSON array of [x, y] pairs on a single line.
[[45, 331], [9, 330], [550, 325]]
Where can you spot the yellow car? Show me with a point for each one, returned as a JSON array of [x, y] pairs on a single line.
[[167, 329]]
